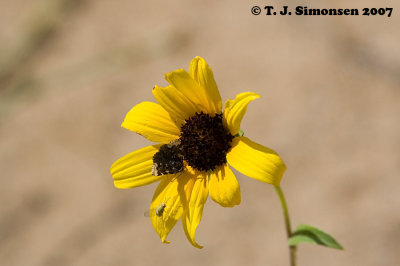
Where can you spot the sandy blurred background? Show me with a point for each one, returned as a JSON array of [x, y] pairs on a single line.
[[71, 69]]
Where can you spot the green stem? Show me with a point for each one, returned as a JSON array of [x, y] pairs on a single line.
[[292, 249]]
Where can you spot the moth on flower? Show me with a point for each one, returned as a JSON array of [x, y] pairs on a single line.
[[198, 143], [168, 160]]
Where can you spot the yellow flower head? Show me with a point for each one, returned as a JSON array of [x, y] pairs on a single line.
[[198, 144]]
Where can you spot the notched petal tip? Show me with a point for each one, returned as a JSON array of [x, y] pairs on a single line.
[[164, 241], [171, 76]]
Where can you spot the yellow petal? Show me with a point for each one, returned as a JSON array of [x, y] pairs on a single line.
[[235, 110], [166, 207], [224, 187], [152, 121], [198, 190], [256, 161], [203, 75], [184, 83], [175, 103], [134, 169]]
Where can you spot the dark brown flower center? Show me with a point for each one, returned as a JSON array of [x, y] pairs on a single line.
[[205, 141]]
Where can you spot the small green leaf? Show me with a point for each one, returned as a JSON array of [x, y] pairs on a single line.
[[309, 234], [240, 133]]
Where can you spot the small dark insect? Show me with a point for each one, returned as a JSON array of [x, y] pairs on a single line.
[[168, 160]]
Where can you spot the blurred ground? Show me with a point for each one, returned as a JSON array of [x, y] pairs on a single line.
[[330, 106]]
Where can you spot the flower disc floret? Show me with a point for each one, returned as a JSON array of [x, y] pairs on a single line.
[[205, 141]]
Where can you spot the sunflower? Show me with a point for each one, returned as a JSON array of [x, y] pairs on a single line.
[[197, 145]]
